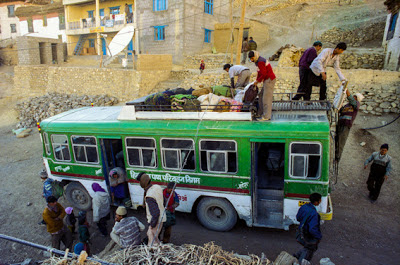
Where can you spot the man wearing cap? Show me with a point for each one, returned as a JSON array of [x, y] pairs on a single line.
[[304, 67], [154, 200], [347, 115], [126, 231], [380, 170], [53, 215], [101, 208]]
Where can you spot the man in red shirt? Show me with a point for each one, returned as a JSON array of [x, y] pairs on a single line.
[[267, 76]]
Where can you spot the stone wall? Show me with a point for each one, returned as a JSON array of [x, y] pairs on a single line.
[[8, 52], [212, 61], [380, 88], [356, 37], [154, 62], [351, 60], [290, 57]]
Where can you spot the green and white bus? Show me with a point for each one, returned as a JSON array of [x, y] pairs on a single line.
[[226, 165]]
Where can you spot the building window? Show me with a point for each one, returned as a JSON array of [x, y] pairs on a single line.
[[305, 160], [44, 21], [114, 10], [141, 152], [208, 6], [392, 26], [60, 147], [91, 43], [85, 149], [178, 154], [11, 10], [30, 25], [160, 5], [91, 14], [159, 32], [207, 35], [218, 156], [102, 12], [13, 28], [61, 21]]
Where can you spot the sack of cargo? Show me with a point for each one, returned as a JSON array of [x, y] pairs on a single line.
[[202, 91], [184, 103], [224, 91], [158, 102], [250, 94]]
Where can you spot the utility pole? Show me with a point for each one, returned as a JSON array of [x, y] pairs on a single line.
[[240, 37], [231, 16], [99, 51]]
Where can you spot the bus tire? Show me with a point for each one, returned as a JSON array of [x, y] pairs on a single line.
[[216, 214], [78, 196]]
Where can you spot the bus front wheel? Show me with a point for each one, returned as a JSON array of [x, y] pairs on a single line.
[[78, 196], [216, 214]]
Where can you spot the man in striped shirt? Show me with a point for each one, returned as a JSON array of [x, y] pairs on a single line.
[[126, 231]]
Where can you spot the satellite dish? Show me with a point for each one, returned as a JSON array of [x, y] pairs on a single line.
[[121, 40]]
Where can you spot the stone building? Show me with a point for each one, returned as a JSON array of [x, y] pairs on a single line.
[[45, 20], [9, 22], [391, 39], [180, 27], [35, 50]]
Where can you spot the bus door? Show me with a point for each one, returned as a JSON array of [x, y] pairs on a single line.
[[112, 156], [268, 171]]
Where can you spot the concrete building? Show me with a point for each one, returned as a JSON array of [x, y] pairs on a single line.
[[88, 21], [42, 20], [9, 22], [391, 40], [181, 27]]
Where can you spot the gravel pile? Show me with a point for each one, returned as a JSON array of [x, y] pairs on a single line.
[[39, 108]]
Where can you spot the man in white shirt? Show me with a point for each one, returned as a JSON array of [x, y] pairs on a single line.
[[317, 75], [243, 74]]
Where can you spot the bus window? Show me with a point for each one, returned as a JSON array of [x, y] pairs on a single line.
[[60, 147], [85, 149], [218, 156], [305, 160], [46, 143], [178, 153], [141, 152]]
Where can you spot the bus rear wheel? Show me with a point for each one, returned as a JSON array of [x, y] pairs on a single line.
[[216, 214], [78, 196]]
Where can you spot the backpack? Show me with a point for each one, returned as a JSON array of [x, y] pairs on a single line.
[[57, 189]]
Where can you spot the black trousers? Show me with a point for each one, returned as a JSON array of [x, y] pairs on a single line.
[[102, 224], [308, 250], [303, 73], [313, 80], [375, 180]]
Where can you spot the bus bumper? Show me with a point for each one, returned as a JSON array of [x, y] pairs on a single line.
[[329, 211]]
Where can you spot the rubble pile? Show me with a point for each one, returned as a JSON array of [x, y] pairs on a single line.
[[356, 37], [39, 108], [277, 54], [290, 57]]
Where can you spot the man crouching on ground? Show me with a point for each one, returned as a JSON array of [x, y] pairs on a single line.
[[126, 231], [153, 195]]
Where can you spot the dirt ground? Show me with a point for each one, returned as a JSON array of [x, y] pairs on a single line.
[[360, 232]]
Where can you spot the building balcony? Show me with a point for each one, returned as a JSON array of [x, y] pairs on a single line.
[[87, 26], [74, 2]]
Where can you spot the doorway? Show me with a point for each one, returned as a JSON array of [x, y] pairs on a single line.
[[268, 183], [112, 156], [41, 52], [54, 53]]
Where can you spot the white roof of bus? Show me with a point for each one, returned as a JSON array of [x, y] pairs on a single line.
[[91, 114]]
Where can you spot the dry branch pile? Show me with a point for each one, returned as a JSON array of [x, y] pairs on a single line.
[[171, 254]]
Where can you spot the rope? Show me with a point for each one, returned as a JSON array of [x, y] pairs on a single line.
[[373, 128]]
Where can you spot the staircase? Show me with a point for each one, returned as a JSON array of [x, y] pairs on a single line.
[[270, 208], [79, 45]]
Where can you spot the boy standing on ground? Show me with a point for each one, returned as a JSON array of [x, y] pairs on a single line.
[[171, 200], [380, 170]]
